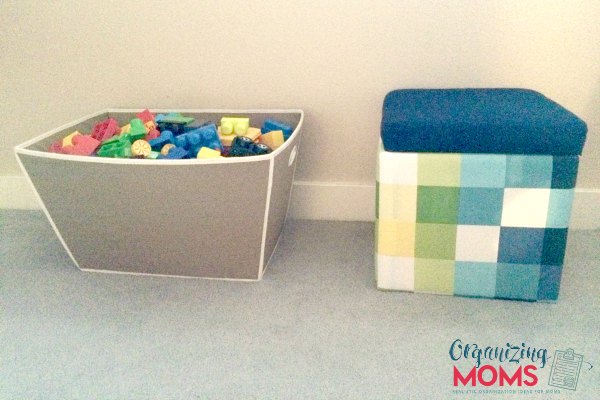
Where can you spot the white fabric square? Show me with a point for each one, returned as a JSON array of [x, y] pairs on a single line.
[[395, 273], [525, 208], [397, 168], [477, 243]]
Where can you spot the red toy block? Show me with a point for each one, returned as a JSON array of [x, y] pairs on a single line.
[[106, 129], [152, 134], [56, 147], [83, 145], [146, 116]]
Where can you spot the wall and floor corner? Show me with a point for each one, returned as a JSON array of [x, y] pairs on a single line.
[[66, 65]]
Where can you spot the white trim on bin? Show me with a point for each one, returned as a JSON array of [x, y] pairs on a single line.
[[266, 221]]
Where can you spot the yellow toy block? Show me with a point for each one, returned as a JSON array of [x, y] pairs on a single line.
[[273, 139], [68, 140], [206, 152], [149, 126], [226, 140], [140, 148], [126, 128], [234, 125]]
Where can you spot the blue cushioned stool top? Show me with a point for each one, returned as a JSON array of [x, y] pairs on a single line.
[[504, 121]]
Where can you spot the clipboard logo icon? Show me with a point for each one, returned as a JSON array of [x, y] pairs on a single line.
[[565, 369]]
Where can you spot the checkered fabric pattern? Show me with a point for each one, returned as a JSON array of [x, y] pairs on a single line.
[[479, 225]]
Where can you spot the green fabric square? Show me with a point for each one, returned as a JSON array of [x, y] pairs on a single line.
[[434, 276], [437, 204], [437, 241], [438, 169]]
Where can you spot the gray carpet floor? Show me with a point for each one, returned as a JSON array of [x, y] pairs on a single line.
[[315, 326]]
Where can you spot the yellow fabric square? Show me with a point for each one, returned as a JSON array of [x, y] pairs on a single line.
[[395, 238], [398, 202]]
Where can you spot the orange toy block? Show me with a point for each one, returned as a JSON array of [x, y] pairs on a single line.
[[273, 139]]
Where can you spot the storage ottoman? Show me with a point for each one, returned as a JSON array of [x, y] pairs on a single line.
[[209, 218], [474, 192]]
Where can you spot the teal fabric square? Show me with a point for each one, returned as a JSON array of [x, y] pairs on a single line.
[[480, 206], [549, 282], [529, 171], [477, 279], [555, 244], [564, 172], [559, 210], [517, 281], [483, 170], [521, 245]]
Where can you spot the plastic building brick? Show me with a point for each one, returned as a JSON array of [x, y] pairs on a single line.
[[208, 137], [197, 124], [173, 118], [175, 153], [121, 149], [272, 125], [234, 125], [150, 125], [68, 140], [164, 138], [125, 129], [146, 116], [140, 148], [253, 133], [56, 147], [152, 134], [243, 146], [106, 129], [205, 136], [273, 139], [165, 149], [205, 152], [137, 129], [83, 145]]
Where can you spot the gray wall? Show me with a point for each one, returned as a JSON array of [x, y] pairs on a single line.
[[335, 59]]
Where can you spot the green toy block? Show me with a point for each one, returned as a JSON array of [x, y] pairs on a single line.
[[237, 125], [137, 130], [121, 149], [176, 118]]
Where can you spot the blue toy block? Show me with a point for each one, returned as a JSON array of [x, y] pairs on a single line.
[[210, 137], [272, 125], [243, 146], [205, 136], [190, 141], [176, 153], [164, 138]]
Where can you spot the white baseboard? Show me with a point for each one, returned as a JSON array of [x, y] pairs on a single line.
[[16, 193], [317, 200]]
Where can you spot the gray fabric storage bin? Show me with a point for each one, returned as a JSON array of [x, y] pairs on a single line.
[[210, 218]]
